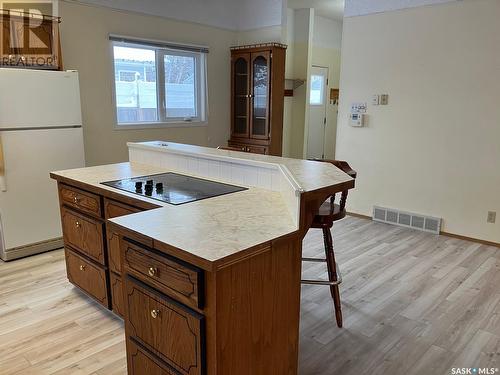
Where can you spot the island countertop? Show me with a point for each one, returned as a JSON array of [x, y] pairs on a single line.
[[216, 230], [206, 287]]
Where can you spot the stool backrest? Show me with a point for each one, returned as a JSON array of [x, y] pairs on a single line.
[[346, 168]]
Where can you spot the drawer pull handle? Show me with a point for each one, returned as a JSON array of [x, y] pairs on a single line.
[[155, 313], [152, 271], [77, 224], [82, 267], [76, 199]]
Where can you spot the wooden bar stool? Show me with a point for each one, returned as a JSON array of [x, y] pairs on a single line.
[[329, 212]]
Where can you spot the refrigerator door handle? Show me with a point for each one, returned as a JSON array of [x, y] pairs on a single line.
[[3, 181]]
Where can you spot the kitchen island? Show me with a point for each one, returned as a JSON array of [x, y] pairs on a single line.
[[207, 287]]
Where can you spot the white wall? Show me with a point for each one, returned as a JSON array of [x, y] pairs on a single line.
[[302, 46], [327, 41], [227, 14], [218, 13], [435, 149], [86, 48], [327, 33], [289, 74], [262, 35]]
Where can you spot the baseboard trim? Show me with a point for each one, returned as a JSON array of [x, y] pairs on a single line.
[[447, 234], [477, 240], [32, 249], [359, 215]]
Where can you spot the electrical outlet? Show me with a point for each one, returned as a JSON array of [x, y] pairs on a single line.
[[492, 217], [384, 99]]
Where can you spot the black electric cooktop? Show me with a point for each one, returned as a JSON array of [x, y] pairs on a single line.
[[173, 188]]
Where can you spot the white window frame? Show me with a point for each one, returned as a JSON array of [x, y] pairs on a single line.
[[200, 80]]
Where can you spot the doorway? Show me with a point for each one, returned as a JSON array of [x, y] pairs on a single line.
[[317, 112]]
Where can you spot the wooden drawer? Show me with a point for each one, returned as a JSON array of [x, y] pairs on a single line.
[[87, 275], [141, 362], [83, 233], [240, 146], [116, 294], [115, 209], [168, 329], [257, 149], [81, 200], [170, 275]]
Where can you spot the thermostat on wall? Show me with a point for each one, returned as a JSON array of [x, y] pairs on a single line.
[[357, 119]]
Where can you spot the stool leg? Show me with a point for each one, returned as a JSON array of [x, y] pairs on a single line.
[[332, 274]]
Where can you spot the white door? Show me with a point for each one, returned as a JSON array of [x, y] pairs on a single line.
[[317, 112], [39, 99], [29, 208]]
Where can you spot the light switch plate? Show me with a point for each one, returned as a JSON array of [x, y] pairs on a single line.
[[375, 99], [384, 99], [358, 108]]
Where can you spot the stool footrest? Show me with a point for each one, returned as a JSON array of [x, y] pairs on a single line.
[[321, 282], [313, 260], [324, 282]]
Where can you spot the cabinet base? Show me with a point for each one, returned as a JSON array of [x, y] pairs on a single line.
[[31, 249]]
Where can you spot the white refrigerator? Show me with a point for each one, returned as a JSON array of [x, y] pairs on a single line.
[[40, 131]]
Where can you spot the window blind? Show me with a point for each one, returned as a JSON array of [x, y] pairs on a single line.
[[159, 44]]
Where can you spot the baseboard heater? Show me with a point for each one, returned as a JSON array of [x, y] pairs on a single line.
[[407, 219]]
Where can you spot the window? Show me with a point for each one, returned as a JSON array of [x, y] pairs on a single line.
[[157, 84], [317, 90]]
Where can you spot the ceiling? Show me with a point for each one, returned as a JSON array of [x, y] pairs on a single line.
[[333, 9], [362, 7]]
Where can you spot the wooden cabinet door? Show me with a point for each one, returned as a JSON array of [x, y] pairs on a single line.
[[240, 89], [141, 362], [165, 327], [83, 234], [260, 94], [116, 294], [115, 209], [88, 276]]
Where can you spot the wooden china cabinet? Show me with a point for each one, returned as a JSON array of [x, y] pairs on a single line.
[[257, 98]]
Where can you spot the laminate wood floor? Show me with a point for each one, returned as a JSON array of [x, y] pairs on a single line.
[[413, 303]]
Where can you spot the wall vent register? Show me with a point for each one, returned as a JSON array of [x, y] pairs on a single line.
[[407, 219], [173, 188]]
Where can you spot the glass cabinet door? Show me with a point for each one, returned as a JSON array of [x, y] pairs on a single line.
[[260, 95], [241, 94]]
